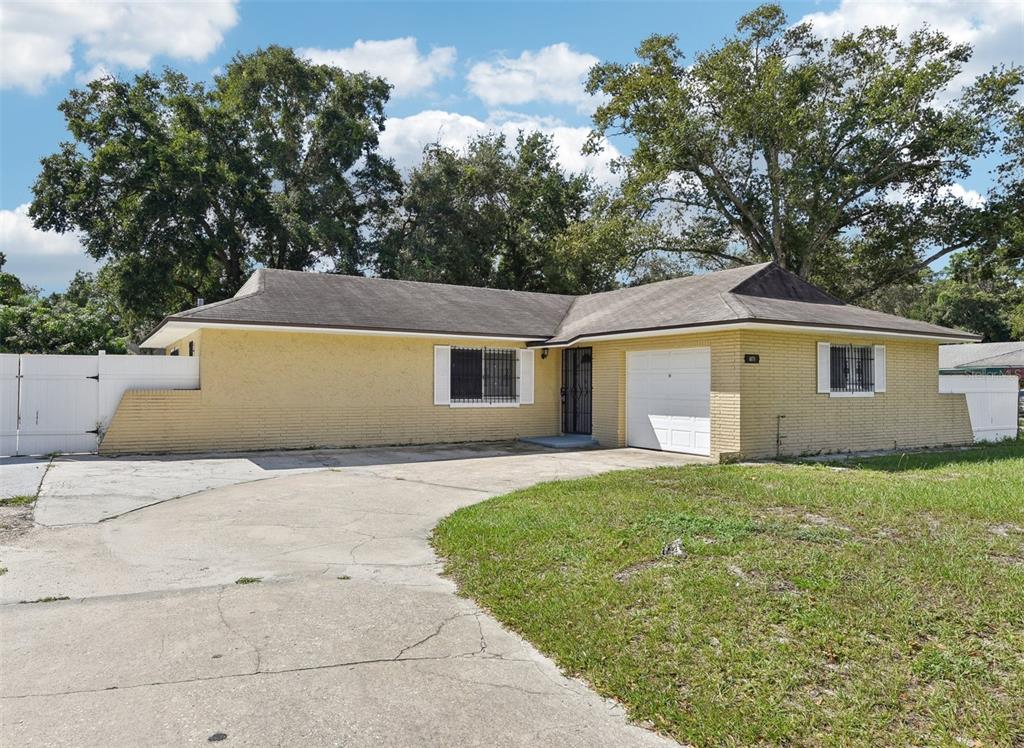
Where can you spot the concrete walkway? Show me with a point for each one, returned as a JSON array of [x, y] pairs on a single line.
[[21, 476], [351, 637]]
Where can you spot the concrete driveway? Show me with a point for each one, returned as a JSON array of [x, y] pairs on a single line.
[[351, 638]]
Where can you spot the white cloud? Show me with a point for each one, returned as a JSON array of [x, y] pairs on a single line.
[[38, 40], [397, 60], [405, 137], [970, 198], [993, 27], [97, 71], [555, 73], [40, 258], [956, 191]]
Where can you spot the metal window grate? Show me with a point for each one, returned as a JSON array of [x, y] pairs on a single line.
[[852, 368], [484, 375]]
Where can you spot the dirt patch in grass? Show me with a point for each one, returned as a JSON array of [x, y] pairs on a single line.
[[1008, 559], [758, 578], [624, 575], [15, 520]]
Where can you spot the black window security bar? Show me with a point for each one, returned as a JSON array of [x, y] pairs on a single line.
[[852, 368], [484, 375]]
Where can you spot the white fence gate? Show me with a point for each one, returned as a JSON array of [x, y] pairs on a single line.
[[991, 400], [63, 403]]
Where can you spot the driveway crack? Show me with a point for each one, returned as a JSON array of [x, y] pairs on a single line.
[[428, 637], [261, 673], [238, 634]]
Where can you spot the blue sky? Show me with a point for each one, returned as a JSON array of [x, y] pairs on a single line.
[[458, 68]]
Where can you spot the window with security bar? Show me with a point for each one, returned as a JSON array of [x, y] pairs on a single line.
[[484, 375], [852, 368]]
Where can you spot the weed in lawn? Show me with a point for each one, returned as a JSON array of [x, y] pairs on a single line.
[[248, 580]]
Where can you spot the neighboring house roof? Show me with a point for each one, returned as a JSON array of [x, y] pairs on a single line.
[[981, 355], [754, 294]]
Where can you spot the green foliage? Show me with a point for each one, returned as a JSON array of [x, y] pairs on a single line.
[[979, 292], [186, 189], [502, 215], [11, 287], [834, 158], [84, 320]]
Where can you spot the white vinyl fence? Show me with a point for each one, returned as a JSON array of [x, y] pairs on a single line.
[[63, 403], [991, 400]]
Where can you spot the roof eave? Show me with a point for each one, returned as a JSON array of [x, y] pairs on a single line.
[[174, 328], [757, 323]]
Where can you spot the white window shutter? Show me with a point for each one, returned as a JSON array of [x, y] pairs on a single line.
[[879, 368], [824, 367], [442, 375], [526, 376]]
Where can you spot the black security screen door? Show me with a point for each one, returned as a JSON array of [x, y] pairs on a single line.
[[577, 386]]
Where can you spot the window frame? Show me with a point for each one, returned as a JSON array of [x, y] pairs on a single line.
[[867, 360], [485, 400]]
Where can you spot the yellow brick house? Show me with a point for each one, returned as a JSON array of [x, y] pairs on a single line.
[[744, 363]]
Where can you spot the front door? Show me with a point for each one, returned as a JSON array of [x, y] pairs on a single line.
[[577, 387]]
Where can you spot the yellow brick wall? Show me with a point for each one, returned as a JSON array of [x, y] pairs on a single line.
[[747, 398], [911, 413], [269, 390], [610, 386], [264, 390]]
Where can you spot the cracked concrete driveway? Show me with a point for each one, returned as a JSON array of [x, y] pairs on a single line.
[[351, 638]]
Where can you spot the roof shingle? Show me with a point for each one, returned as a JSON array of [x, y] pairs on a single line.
[[754, 293]]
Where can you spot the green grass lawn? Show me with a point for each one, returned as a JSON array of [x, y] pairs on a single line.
[[877, 605]]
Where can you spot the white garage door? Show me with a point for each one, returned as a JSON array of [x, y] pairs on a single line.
[[668, 400]]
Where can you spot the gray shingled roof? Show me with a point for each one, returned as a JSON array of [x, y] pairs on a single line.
[[981, 355], [292, 298], [755, 293]]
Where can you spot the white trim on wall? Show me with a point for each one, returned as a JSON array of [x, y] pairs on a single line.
[[879, 368], [442, 375], [175, 330], [767, 326], [526, 376]]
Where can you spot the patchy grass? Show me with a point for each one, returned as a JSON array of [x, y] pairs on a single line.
[[878, 605], [15, 517], [248, 580]]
